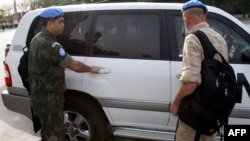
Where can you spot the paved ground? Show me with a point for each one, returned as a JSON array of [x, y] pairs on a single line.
[[15, 127]]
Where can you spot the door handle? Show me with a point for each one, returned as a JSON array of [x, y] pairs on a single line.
[[104, 70]]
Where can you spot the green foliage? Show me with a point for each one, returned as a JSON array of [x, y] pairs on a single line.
[[1, 16]]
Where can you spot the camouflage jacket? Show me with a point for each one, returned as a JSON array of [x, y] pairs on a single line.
[[47, 60]]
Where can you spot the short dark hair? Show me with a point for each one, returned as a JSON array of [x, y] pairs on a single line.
[[45, 20]]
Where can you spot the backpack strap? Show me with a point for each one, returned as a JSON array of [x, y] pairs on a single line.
[[198, 130], [197, 136], [177, 124], [208, 48]]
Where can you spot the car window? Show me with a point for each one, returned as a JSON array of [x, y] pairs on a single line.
[[127, 36], [35, 27], [238, 46], [181, 32], [77, 24]]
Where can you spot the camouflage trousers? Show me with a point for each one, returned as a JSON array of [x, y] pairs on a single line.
[[49, 108]]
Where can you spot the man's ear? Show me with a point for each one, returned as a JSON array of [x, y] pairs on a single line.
[[49, 22], [186, 18]]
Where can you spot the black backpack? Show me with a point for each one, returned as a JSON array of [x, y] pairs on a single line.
[[209, 107], [23, 68]]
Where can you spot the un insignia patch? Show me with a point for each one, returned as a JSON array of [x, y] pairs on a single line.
[[61, 52]]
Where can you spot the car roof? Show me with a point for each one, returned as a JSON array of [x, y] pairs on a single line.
[[118, 6], [140, 6], [130, 5], [127, 6]]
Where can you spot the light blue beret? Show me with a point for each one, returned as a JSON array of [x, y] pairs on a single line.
[[51, 13], [194, 3]]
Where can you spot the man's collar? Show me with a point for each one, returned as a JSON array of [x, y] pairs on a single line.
[[199, 26]]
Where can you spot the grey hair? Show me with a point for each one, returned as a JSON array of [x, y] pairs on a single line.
[[195, 11]]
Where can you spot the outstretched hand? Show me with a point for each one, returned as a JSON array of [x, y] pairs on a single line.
[[95, 69]]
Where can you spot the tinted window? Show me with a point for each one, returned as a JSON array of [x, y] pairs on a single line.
[[238, 46], [127, 36], [181, 32], [73, 37], [36, 27]]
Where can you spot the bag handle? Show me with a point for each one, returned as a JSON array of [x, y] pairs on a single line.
[[25, 49]]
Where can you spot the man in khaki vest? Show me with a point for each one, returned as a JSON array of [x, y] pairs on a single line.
[[194, 16]]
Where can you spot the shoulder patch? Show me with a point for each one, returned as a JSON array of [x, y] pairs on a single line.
[[61, 51]]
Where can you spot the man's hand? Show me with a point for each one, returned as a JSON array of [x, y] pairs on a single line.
[[94, 69], [174, 109], [184, 90]]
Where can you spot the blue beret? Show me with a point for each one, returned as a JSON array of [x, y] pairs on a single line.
[[51, 13], [194, 3]]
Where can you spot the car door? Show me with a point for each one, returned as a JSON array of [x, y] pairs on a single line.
[[134, 87], [238, 42], [73, 40]]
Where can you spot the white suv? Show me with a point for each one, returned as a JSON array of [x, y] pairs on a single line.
[[139, 46]]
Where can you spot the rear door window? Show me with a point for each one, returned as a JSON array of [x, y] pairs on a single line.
[[237, 40], [77, 25], [127, 35], [238, 45]]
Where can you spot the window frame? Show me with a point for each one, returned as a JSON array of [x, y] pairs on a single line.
[[36, 21], [164, 47], [171, 14]]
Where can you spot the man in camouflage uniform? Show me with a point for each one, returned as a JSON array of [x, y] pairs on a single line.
[[47, 60]]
